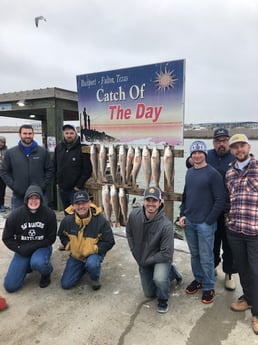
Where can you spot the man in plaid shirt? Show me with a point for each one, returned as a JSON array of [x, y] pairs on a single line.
[[242, 222]]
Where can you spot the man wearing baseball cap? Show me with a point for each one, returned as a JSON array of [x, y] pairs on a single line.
[[151, 241], [242, 222], [202, 203], [87, 234], [220, 157]]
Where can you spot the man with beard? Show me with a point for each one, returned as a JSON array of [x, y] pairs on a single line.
[[220, 157], [26, 164], [72, 166], [242, 222]]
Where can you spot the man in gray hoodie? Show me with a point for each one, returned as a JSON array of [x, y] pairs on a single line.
[[151, 241]]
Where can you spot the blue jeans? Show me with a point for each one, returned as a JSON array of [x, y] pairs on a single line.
[[18, 201], [75, 269], [20, 266], [156, 280], [66, 197], [200, 240]]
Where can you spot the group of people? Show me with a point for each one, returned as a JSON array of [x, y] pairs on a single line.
[[220, 207]]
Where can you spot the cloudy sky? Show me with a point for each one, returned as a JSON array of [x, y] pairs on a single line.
[[217, 38]]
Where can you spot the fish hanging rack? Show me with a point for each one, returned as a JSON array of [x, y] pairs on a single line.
[[109, 157]]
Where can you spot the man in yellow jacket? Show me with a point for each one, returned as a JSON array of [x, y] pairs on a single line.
[[86, 233]]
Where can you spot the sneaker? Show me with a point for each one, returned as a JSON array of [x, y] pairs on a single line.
[[240, 305], [255, 324], [44, 280], [3, 304], [229, 283], [95, 284], [208, 296], [193, 287], [162, 306]]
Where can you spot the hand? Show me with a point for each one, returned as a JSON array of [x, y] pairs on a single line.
[[182, 221]]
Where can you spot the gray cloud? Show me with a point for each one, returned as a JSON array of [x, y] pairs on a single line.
[[218, 39]]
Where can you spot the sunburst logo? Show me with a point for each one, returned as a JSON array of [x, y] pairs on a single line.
[[165, 80]]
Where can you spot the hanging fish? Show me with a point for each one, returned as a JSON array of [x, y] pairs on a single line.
[[106, 202], [129, 163], [122, 163], [155, 166], [123, 202], [136, 165], [94, 162], [146, 165], [112, 162], [115, 204], [102, 163], [169, 167]]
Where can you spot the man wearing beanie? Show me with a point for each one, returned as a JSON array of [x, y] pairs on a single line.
[[3, 149], [72, 166], [87, 235], [203, 201], [30, 231], [242, 223]]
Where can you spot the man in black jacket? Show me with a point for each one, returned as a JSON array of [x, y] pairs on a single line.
[[72, 167], [26, 164], [30, 231]]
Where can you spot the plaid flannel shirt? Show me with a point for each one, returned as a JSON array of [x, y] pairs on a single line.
[[242, 187]]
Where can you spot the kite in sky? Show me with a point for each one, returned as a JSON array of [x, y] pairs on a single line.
[[37, 19]]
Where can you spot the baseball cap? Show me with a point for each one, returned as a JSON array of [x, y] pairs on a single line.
[[220, 132], [80, 196], [68, 126], [238, 138], [198, 145], [152, 192]]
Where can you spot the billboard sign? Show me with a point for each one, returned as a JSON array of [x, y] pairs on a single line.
[[138, 105]]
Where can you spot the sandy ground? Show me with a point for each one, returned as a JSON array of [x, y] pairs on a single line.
[[118, 313]]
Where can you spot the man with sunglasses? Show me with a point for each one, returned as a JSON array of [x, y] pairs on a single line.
[[220, 157]]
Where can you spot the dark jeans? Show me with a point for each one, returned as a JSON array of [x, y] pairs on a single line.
[[222, 241], [245, 253], [66, 197], [2, 192]]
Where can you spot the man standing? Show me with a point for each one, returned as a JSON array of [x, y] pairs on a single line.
[[72, 167], [151, 241], [26, 164], [88, 236], [242, 223], [29, 232], [203, 201], [219, 157], [3, 150]]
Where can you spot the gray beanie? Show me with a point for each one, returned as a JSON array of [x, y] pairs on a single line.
[[3, 139]]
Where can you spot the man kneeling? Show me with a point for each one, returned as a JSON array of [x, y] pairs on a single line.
[[88, 236], [30, 231]]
